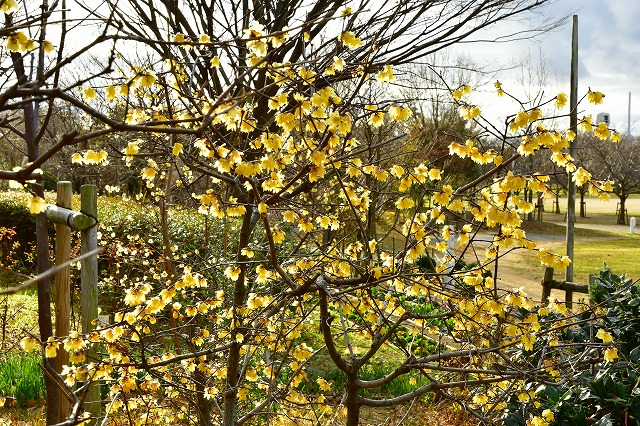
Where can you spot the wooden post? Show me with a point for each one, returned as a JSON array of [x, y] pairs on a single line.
[[568, 299], [62, 285], [546, 285], [89, 287], [592, 281], [573, 122]]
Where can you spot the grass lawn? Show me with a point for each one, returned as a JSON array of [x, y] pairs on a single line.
[[621, 255], [18, 313]]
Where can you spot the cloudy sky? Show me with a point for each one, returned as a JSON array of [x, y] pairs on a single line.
[[609, 55]]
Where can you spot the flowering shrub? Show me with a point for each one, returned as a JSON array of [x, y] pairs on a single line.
[[601, 386]]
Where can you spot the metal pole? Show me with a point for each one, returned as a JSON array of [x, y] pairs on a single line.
[[629, 116], [573, 122]]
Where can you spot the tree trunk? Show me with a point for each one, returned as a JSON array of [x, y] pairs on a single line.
[[352, 404], [230, 414], [558, 201], [540, 205], [204, 405], [583, 210], [622, 213], [45, 322]]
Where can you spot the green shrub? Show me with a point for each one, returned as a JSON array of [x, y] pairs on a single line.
[[606, 284], [599, 393], [21, 378], [14, 215]]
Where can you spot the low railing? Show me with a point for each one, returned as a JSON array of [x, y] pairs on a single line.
[[548, 284]]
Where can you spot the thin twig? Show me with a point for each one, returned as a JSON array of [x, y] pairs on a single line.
[[49, 272]]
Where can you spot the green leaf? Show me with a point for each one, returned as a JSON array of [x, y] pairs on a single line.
[[552, 393]]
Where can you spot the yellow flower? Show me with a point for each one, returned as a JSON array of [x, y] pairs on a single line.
[[469, 112], [135, 295], [93, 157], [28, 344], [204, 38], [146, 80], [177, 149], [536, 421], [435, 174], [74, 342], [581, 176], [561, 100], [548, 415], [586, 123], [248, 252], [110, 93], [602, 131], [399, 113], [350, 40], [278, 235], [405, 203], [17, 42], [131, 149], [215, 62], [610, 354], [47, 46], [460, 92], [386, 75], [51, 349], [148, 173], [595, 97], [605, 336], [527, 341], [279, 101], [376, 119], [89, 93], [37, 205], [615, 137], [522, 119], [76, 158], [9, 6], [232, 273], [480, 399]]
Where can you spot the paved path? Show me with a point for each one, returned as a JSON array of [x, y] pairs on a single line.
[[621, 229]]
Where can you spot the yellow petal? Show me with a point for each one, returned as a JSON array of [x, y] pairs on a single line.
[[28, 344], [37, 205]]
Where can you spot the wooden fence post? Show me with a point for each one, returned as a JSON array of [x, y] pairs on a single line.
[[592, 281], [546, 285], [86, 222], [89, 287], [62, 285], [568, 299]]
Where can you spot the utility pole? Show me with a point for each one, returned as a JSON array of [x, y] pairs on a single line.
[[573, 123]]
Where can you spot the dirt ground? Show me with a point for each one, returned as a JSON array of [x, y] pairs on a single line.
[[600, 217]]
